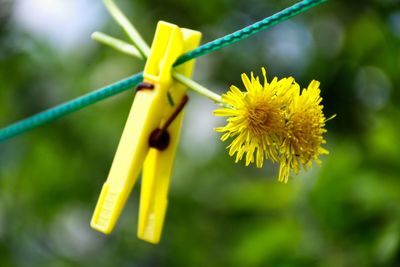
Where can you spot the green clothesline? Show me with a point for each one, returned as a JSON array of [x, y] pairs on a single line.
[[123, 85]]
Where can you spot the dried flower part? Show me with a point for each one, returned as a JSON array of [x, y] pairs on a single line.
[[305, 122]]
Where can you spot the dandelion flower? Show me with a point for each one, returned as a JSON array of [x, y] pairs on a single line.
[[305, 123], [256, 119], [274, 121]]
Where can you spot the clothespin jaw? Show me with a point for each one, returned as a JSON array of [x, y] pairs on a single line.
[[150, 110]]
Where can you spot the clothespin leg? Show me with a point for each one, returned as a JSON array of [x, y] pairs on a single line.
[[158, 164], [155, 186], [127, 163]]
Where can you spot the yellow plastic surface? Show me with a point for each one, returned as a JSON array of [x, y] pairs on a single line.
[[149, 111], [158, 164]]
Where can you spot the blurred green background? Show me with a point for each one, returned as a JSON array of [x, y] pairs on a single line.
[[344, 213]]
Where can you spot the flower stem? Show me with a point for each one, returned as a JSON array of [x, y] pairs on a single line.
[[127, 26], [116, 44], [198, 88]]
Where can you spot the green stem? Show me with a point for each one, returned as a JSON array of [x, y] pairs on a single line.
[[129, 29], [198, 88], [117, 44]]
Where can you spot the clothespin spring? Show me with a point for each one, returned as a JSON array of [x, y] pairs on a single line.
[[159, 138], [144, 86]]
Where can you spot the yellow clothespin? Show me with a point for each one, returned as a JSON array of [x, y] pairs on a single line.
[[150, 137]]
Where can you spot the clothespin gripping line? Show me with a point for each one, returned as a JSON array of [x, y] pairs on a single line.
[[131, 50], [140, 50]]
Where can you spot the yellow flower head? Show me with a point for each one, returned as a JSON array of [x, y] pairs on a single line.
[[274, 121], [256, 118], [305, 123]]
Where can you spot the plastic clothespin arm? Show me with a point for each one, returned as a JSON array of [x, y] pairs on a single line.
[[158, 164]]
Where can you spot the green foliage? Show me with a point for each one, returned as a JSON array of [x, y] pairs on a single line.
[[344, 213]]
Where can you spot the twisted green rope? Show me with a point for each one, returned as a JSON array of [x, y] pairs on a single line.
[[69, 107], [249, 30], [123, 85]]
